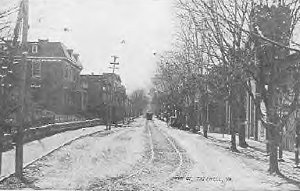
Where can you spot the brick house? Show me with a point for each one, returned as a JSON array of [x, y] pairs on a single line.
[[118, 100], [96, 95], [99, 95], [54, 79]]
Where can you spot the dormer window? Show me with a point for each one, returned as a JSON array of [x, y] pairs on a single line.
[[34, 49]]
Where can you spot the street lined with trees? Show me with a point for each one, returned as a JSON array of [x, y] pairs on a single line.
[[226, 51], [234, 69]]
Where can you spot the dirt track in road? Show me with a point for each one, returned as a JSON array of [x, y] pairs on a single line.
[[162, 162]]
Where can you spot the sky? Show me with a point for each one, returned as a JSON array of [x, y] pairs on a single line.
[[98, 29]]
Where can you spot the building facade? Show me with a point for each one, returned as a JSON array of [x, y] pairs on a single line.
[[105, 95], [54, 77]]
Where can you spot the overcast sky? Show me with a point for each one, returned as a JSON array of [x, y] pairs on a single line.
[[96, 28]]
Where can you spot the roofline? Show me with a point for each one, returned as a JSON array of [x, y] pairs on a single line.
[[59, 58]]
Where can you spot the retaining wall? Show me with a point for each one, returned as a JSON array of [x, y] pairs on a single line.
[[36, 133]]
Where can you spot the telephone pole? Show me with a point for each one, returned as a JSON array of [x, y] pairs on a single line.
[[23, 16], [114, 68], [114, 64]]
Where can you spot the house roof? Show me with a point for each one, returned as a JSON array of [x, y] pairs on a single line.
[[54, 50], [112, 76], [105, 78]]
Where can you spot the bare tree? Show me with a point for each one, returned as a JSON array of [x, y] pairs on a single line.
[[8, 103], [139, 101], [242, 45]]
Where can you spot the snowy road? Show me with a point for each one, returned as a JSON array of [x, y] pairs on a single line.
[[148, 156]]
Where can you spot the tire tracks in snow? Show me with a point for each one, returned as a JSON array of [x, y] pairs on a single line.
[[144, 172], [147, 164]]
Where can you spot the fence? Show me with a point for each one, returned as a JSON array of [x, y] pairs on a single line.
[[67, 118]]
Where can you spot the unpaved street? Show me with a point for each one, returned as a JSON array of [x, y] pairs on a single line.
[[147, 155]]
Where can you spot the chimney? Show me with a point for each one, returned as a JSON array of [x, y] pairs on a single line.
[[76, 56]]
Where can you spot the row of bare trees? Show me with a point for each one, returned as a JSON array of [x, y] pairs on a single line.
[[222, 49], [140, 101]]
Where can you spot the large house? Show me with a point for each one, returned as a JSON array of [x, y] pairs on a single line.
[[54, 72]]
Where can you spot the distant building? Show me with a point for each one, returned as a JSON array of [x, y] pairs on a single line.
[[96, 95], [105, 92], [119, 95]]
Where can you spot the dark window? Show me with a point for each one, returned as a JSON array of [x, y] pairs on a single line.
[[34, 49]]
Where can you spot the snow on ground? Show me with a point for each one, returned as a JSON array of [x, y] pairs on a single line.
[[257, 150], [218, 169], [107, 159], [39, 148], [88, 160], [165, 162]]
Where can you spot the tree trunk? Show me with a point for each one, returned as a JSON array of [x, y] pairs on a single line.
[[206, 121], [233, 139], [273, 164], [242, 135], [256, 123], [232, 132], [280, 157], [205, 129]]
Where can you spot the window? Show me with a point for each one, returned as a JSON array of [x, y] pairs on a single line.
[[34, 48], [36, 69], [66, 72], [65, 98]]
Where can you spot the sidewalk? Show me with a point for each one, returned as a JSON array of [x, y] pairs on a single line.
[[36, 149], [257, 151]]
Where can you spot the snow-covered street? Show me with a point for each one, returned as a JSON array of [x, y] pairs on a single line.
[[147, 155]]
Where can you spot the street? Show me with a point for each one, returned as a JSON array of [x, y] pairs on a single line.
[[81, 82], [147, 155]]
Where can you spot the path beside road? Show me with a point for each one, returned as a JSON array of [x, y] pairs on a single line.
[[36, 149]]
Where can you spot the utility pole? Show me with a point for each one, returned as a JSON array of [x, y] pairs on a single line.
[[114, 68], [114, 64], [23, 15], [297, 140], [1, 120]]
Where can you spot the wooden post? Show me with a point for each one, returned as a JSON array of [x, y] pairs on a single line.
[[22, 110], [1, 128], [297, 143], [114, 63]]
